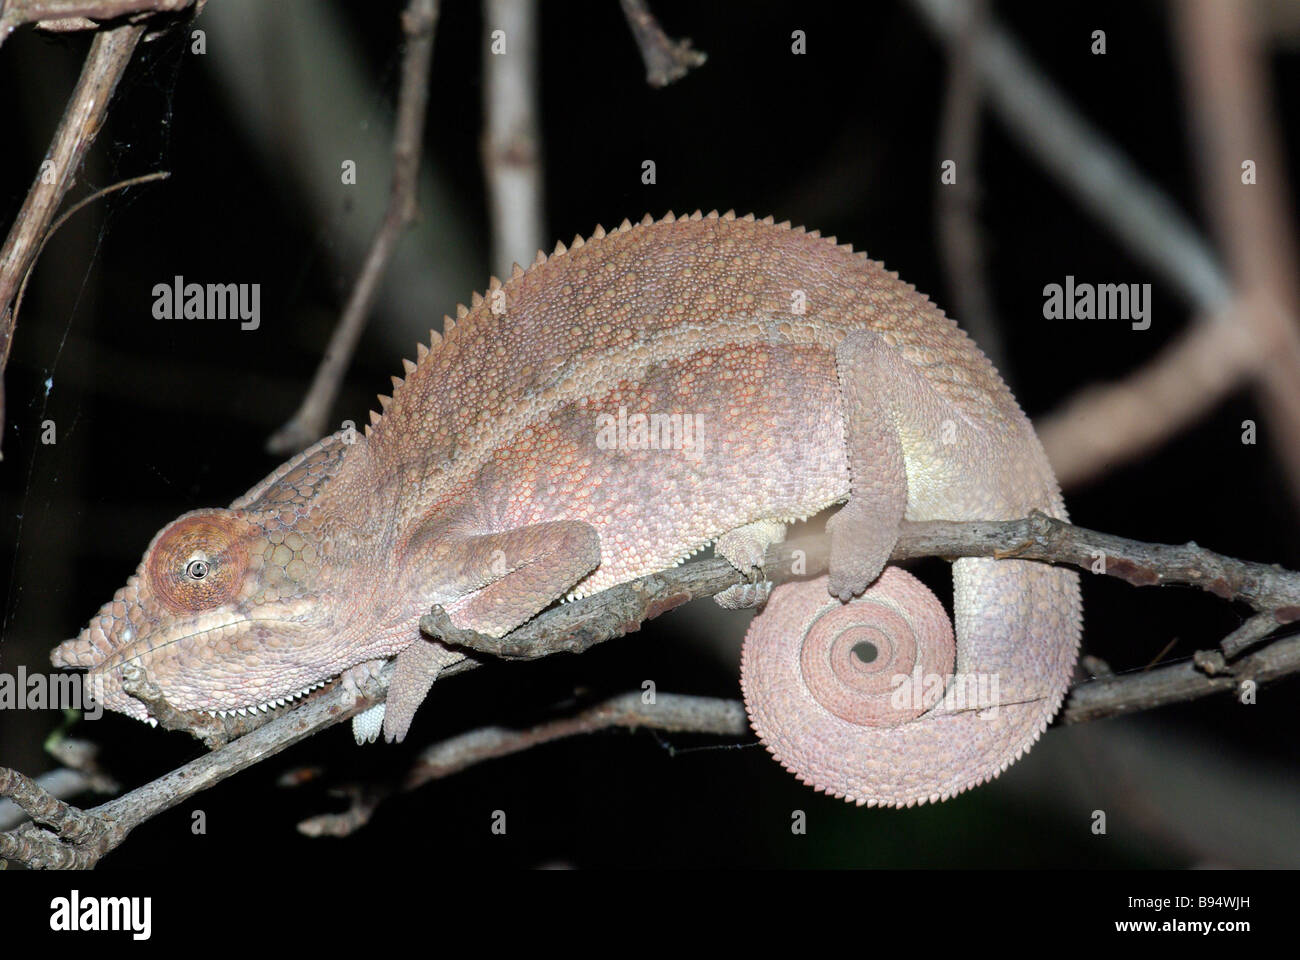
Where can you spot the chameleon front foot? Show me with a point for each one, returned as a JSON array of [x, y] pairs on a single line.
[[366, 725]]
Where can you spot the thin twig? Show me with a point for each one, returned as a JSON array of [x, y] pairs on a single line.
[[1104, 425], [67, 214], [1097, 172], [109, 54], [512, 153], [80, 14], [419, 22], [1088, 700], [670, 712], [665, 59], [1107, 425], [1096, 699], [957, 202], [1204, 674]]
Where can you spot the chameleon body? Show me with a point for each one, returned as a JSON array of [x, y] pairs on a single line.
[[509, 470]]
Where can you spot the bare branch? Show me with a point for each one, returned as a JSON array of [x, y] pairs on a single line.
[[81, 14], [672, 712], [665, 59], [1104, 425], [1272, 591], [1245, 183], [1206, 673], [512, 163], [67, 214], [957, 201], [307, 425], [109, 54], [1097, 172], [1096, 699], [1107, 425], [81, 774], [60, 783], [575, 627]]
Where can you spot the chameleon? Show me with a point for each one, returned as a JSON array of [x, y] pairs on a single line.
[[611, 410]]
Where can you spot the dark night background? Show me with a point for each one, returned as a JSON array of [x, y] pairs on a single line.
[[155, 418]]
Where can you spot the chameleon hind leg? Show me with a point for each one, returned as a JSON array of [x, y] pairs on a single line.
[[873, 381]]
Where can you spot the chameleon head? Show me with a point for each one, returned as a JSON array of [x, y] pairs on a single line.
[[219, 614]]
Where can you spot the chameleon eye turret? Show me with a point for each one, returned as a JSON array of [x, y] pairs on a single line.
[[199, 561]]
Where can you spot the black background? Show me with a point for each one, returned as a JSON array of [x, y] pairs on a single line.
[[159, 417]]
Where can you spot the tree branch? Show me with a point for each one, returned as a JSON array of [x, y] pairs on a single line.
[[961, 245], [1227, 90], [306, 426], [512, 153], [1095, 170], [109, 54], [82, 14], [1104, 425], [573, 627], [1108, 424], [665, 59]]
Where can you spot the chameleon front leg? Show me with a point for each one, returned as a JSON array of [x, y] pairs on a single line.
[[496, 581], [415, 669], [413, 674], [504, 579]]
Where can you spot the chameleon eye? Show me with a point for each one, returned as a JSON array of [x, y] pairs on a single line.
[[199, 561]]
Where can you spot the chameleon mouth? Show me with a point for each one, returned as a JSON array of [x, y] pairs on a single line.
[[279, 675], [270, 705]]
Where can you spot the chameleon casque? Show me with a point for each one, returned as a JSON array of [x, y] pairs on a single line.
[[484, 487]]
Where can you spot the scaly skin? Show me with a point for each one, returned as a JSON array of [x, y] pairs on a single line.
[[487, 486]]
